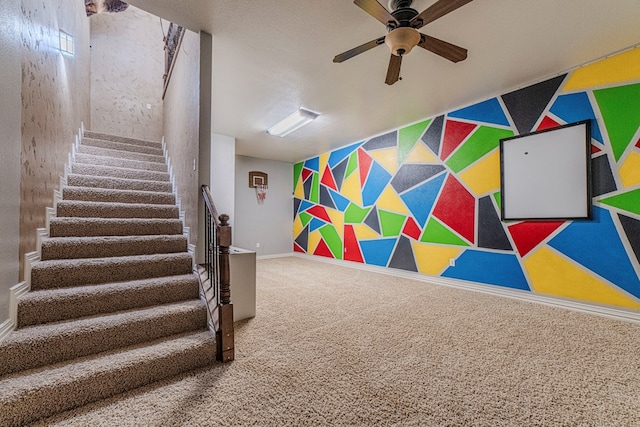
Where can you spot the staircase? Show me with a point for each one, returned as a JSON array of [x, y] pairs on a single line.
[[114, 304]]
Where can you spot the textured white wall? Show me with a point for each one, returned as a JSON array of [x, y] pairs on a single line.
[[127, 64], [55, 100], [270, 224], [11, 22], [181, 126]]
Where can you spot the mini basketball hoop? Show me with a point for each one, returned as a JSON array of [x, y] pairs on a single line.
[[261, 193], [259, 181]]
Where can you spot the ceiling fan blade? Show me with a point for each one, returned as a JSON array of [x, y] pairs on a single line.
[[393, 73], [375, 9], [437, 10], [358, 50], [447, 50]]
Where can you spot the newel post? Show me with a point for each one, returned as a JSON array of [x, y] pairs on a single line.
[[224, 336]]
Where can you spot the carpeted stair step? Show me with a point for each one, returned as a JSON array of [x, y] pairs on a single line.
[[41, 345], [84, 209], [42, 393], [119, 154], [111, 246], [88, 271], [117, 196], [123, 139], [54, 305], [70, 226], [155, 150], [75, 180], [120, 163], [118, 172]]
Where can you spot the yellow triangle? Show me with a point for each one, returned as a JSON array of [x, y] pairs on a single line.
[[297, 226], [337, 219], [421, 154], [484, 176], [351, 188], [388, 158], [630, 170], [390, 201], [314, 239], [364, 232], [552, 274], [324, 159], [299, 192], [619, 68], [433, 259]]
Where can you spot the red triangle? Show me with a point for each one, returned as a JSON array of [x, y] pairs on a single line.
[[527, 235], [454, 134], [412, 229], [327, 179], [638, 144], [364, 163], [323, 250], [456, 207], [306, 173], [351, 247], [297, 248], [594, 149], [320, 212], [548, 123]]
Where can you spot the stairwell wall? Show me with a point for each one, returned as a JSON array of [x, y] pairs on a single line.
[[10, 19], [55, 94], [181, 127], [127, 64]]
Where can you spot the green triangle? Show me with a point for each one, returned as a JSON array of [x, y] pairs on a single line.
[[620, 109], [332, 239], [297, 169], [391, 223], [305, 218], [408, 137], [354, 214], [435, 232], [629, 201], [314, 197], [353, 164], [483, 140], [498, 198]]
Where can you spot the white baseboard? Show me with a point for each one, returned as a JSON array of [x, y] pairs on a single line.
[[614, 313], [5, 328], [284, 255]]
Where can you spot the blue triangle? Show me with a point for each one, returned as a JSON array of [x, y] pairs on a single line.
[[313, 164], [376, 182], [420, 200], [576, 107], [336, 156], [504, 269], [315, 224], [340, 201], [304, 205], [596, 245], [378, 251], [489, 111]]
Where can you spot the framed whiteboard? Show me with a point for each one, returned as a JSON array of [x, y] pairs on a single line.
[[546, 175]]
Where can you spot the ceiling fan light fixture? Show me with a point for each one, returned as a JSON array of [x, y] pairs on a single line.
[[401, 40], [293, 122]]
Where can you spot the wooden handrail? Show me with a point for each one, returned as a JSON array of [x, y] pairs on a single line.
[[217, 243]]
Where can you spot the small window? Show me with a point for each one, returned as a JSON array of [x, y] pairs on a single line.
[[66, 43]]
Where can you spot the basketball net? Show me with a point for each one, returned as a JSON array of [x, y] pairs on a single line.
[[261, 193]]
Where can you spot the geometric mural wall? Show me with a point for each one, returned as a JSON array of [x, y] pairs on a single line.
[[426, 196]]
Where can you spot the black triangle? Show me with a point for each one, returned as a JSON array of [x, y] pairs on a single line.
[[527, 105], [403, 257], [303, 238], [296, 206], [601, 176], [372, 220], [632, 229], [491, 234], [410, 175], [325, 198], [338, 172], [433, 136], [387, 140]]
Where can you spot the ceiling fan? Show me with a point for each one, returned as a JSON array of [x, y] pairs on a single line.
[[402, 32]]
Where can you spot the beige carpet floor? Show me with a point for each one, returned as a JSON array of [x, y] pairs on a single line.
[[336, 346]]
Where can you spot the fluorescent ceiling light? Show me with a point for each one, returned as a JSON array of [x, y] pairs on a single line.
[[293, 122]]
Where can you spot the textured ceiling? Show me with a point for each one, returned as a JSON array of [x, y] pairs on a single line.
[[271, 56]]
